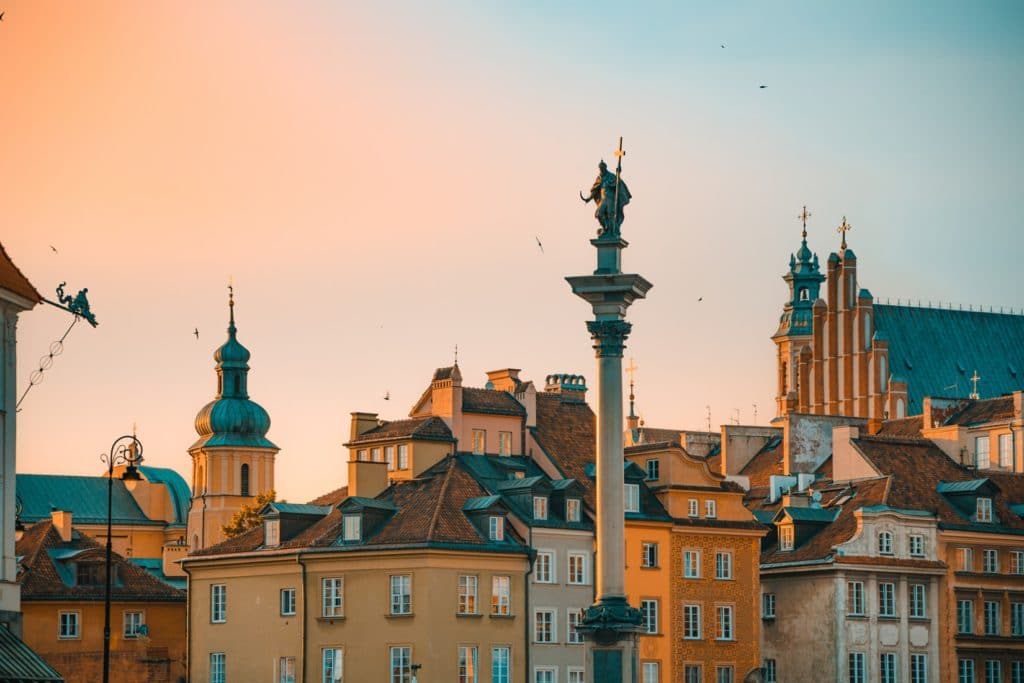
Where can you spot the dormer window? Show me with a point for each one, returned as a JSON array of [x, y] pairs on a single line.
[[271, 532], [885, 543], [540, 507], [94, 574], [631, 500], [984, 510], [572, 509], [653, 469], [497, 528], [389, 457], [361, 455], [786, 537], [403, 456], [353, 528]]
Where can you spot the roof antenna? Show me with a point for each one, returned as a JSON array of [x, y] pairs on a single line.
[[708, 408], [755, 412], [456, 354], [735, 420]]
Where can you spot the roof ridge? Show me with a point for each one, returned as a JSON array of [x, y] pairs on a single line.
[[440, 500]]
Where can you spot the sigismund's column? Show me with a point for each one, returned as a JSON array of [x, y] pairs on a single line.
[[610, 623]]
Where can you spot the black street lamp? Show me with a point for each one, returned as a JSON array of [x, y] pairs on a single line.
[[127, 450]]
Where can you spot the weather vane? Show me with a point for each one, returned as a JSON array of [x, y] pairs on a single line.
[[77, 305]]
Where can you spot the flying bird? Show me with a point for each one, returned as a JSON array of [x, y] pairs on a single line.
[[1, 16], [51, 246], [699, 299], [387, 395], [196, 332], [539, 244], [763, 87], [723, 47]]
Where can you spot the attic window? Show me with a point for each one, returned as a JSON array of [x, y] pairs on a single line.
[[631, 500], [786, 537], [93, 574], [540, 507], [353, 530], [272, 532], [497, 528], [885, 543], [653, 469], [572, 509], [984, 510]]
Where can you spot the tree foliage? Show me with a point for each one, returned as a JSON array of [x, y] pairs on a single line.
[[248, 517]]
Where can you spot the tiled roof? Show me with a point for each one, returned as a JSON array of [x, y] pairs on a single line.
[[658, 435], [565, 430], [811, 514], [331, 498], [932, 348], [14, 280], [425, 428], [490, 401], [19, 664], [762, 466], [85, 497], [969, 486], [41, 547], [300, 509], [917, 467], [429, 512], [907, 426], [985, 410]]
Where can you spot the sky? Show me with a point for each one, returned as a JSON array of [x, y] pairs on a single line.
[[374, 177]]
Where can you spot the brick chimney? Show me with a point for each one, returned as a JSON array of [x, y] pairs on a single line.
[[362, 423], [367, 479], [506, 379], [569, 387], [62, 523]]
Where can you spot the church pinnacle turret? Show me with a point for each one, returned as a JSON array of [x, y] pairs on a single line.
[[804, 279]]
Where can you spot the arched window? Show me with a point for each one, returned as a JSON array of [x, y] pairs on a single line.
[[804, 295], [785, 378], [900, 409], [883, 376], [245, 480], [867, 331]]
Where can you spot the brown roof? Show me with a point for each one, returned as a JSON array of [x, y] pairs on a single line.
[[762, 466], [658, 435], [429, 511], [917, 467], [907, 426], [41, 548], [565, 430], [14, 280], [426, 428], [985, 410], [896, 562], [819, 546], [490, 401]]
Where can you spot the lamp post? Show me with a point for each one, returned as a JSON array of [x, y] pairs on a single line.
[[126, 450]]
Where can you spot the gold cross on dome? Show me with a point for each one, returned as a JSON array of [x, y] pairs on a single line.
[[842, 230], [803, 216], [632, 371]]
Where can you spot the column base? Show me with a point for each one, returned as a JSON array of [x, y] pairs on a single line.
[[610, 620]]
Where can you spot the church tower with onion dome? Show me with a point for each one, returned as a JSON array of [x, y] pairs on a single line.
[[232, 461]]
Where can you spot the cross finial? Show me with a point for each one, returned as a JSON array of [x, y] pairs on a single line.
[[804, 215], [456, 354], [975, 379], [632, 372], [842, 230], [231, 303]]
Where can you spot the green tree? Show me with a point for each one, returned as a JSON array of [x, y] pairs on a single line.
[[248, 517]]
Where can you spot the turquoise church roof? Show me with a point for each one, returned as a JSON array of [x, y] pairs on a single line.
[[937, 350], [232, 419], [85, 497]]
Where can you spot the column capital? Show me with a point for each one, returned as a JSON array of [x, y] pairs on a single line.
[[609, 336]]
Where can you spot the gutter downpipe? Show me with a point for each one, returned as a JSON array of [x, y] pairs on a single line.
[[531, 554], [302, 621], [188, 621]]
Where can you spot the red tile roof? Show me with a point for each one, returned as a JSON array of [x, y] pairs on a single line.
[[14, 280], [565, 430], [984, 410], [907, 426], [762, 466], [490, 401], [41, 579], [425, 428]]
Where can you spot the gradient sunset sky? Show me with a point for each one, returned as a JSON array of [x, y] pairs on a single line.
[[373, 177]]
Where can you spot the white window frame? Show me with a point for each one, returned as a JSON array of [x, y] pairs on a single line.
[[403, 456], [965, 559], [332, 664], [691, 622], [631, 497], [468, 584], [652, 469], [218, 603], [855, 599], [1017, 619], [544, 567], [693, 508], [73, 621], [505, 443], [134, 629], [550, 674], [577, 575], [723, 565], [768, 605], [1006, 450], [287, 602], [401, 594], [916, 545], [402, 662], [990, 561], [545, 618], [1017, 561], [573, 618], [965, 670], [389, 457], [286, 670], [501, 664], [651, 672], [770, 675], [501, 595], [496, 528], [271, 532], [984, 509], [982, 454], [572, 509], [725, 673], [649, 614], [468, 663], [993, 671], [218, 667], [965, 616], [332, 597], [993, 621], [886, 599], [786, 535], [691, 564], [710, 509], [353, 528], [540, 507], [725, 628], [649, 555], [918, 601], [885, 543]]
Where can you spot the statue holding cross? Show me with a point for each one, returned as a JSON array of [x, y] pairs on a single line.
[[610, 194]]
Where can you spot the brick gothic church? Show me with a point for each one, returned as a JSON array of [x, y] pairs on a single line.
[[840, 353]]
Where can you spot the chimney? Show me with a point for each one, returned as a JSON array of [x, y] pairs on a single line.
[[801, 499], [572, 388], [874, 425], [362, 423], [506, 379], [367, 479], [62, 523]]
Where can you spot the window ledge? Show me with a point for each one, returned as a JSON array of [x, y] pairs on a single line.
[[888, 617], [331, 620], [653, 567], [857, 617], [501, 616], [765, 617], [470, 615], [398, 616]]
